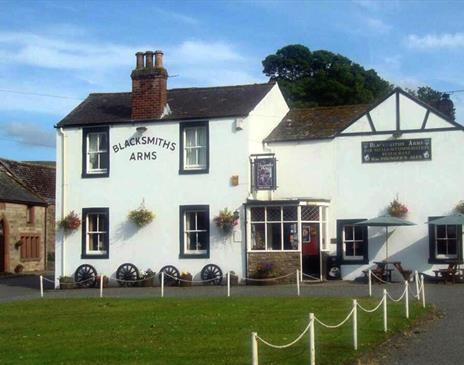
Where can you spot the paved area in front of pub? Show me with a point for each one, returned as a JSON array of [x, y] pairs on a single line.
[[440, 342]]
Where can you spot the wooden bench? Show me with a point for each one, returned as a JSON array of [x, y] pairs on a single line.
[[380, 272], [450, 274], [405, 273]]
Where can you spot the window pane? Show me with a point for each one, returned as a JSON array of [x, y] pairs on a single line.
[[190, 221], [202, 156], [93, 142], [348, 232], [441, 247], [273, 214], [257, 236], [290, 213], [274, 237], [103, 142], [190, 137], [202, 221], [101, 223], [358, 233], [202, 239], [349, 249], [191, 241], [257, 214], [92, 219], [452, 247], [441, 231], [190, 157], [93, 242], [359, 249], [452, 231], [103, 160], [93, 161], [310, 213], [201, 136], [290, 236]]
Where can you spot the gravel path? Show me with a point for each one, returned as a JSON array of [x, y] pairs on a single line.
[[439, 342]]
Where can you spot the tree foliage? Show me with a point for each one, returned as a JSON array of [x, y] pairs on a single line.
[[322, 78], [437, 99]]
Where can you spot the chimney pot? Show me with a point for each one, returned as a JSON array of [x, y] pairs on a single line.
[[139, 56], [158, 59], [149, 59]]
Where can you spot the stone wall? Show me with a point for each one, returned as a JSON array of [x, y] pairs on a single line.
[[283, 262], [15, 217]]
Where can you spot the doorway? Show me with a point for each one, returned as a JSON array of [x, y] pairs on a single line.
[[311, 263], [2, 246]]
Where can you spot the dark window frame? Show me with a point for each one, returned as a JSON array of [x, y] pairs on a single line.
[[340, 225], [182, 127], [85, 212], [85, 132], [433, 259], [182, 210]]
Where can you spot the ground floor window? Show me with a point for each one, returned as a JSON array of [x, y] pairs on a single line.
[[194, 231], [30, 247], [95, 232], [351, 241], [445, 241], [274, 228]]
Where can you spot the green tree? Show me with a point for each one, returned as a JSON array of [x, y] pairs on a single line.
[[437, 99], [322, 78]]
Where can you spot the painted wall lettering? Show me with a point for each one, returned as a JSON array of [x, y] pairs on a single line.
[[144, 140]]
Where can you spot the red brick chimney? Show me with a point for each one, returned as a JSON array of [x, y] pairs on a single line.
[[149, 86]]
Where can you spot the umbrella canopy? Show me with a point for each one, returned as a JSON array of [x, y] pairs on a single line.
[[385, 221], [452, 219]]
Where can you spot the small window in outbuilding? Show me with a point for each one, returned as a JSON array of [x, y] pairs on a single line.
[[30, 247], [30, 214]]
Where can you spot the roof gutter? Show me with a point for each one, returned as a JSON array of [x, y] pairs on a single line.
[[63, 202]]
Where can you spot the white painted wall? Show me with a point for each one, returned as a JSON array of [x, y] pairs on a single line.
[[159, 184]]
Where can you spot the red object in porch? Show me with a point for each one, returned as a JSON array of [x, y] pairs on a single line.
[[310, 248]]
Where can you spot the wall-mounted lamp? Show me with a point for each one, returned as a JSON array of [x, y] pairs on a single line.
[[141, 129]]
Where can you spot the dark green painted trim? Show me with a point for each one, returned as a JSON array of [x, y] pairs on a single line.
[[182, 126], [426, 118], [371, 123], [86, 211], [432, 258], [182, 210]]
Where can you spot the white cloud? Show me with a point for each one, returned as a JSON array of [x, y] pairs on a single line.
[[377, 25], [29, 134], [436, 41], [178, 16]]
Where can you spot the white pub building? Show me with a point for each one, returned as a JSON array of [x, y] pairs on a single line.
[[297, 181]]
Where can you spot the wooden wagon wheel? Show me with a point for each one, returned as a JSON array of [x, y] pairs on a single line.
[[127, 275], [212, 273], [85, 276], [172, 273]]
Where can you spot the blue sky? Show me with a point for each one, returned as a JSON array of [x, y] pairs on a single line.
[[72, 48]]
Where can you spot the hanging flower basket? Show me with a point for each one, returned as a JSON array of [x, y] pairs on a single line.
[[459, 208], [141, 216], [70, 223], [226, 220], [397, 209]]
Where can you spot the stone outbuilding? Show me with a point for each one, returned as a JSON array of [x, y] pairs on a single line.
[[27, 216]]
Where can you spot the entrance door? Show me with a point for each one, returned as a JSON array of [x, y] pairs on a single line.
[[310, 249], [2, 247]]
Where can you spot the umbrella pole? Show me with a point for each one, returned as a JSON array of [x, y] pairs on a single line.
[[386, 243]]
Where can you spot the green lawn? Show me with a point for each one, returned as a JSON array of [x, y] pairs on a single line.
[[184, 331]]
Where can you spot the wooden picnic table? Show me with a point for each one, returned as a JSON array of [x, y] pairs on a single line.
[[406, 274], [450, 274]]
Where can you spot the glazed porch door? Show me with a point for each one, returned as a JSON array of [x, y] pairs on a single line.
[[2, 247], [310, 249]]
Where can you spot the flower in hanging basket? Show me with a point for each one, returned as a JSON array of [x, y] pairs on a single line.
[[226, 220], [397, 209], [71, 222], [141, 216], [459, 208]]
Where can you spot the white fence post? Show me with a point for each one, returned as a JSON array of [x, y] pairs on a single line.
[[254, 348], [298, 282], [416, 279], [406, 299], [102, 279], [385, 326], [41, 287], [370, 282], [312, 348], [228, 284], [355, 324], [423, 291], [162, 284]]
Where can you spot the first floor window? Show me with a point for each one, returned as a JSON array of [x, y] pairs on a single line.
[[96, 149], [352, 241], [194, 231], [195, 146], [95, 232], [274, 228], [446, 241]]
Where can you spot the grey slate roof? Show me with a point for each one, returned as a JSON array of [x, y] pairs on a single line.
[[13, 191], [315, 123], [186, 103]]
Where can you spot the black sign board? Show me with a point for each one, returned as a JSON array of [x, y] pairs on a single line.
[[265, 169], [397, 150]]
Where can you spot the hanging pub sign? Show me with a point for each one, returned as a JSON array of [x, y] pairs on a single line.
[[397, 150], [265, 173]]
